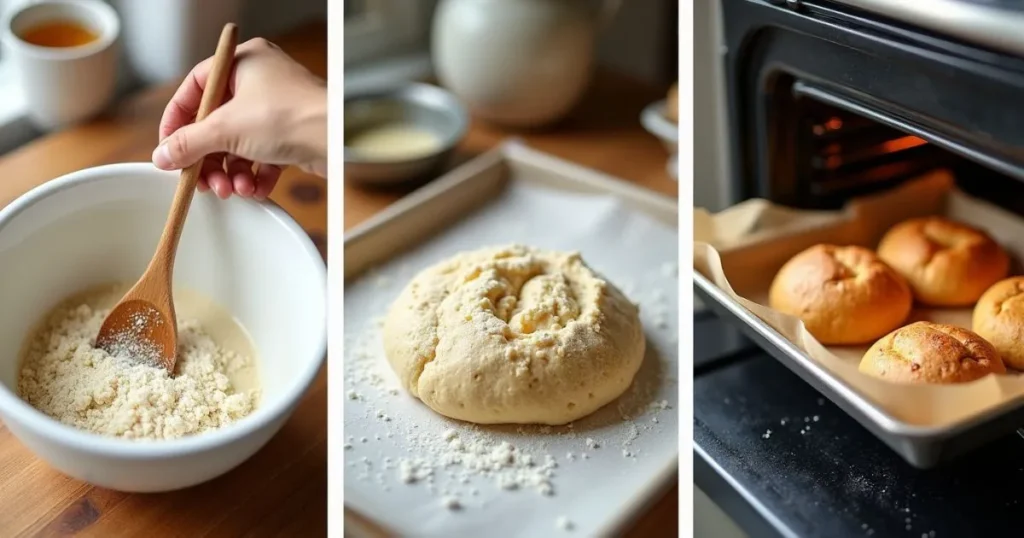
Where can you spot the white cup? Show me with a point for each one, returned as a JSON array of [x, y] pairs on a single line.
[[64, 85]]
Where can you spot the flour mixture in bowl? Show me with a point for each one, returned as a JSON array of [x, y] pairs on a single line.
[[514, 335], [65, 376]]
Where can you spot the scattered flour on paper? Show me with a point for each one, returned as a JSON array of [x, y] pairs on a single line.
[[450, 464]]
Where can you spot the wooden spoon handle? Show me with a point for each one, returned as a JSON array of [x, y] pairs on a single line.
[[213, 96]]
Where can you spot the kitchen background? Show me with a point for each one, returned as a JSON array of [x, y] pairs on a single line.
[[388, 40], [385, 41], [160, 41]]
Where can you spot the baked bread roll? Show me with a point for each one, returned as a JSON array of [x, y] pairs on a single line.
[[513, 335], [926, 352], [844, 295], [999, 318], [672, 104], [946, 263]]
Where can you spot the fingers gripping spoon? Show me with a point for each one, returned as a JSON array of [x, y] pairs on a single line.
[[143, 324]]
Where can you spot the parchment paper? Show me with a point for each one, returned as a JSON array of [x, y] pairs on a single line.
[[742, 248], [632, 250]]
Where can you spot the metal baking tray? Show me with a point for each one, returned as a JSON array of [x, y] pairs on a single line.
[[456, 210], [922, 447]]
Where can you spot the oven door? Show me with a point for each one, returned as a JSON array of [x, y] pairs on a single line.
[[931, 101], [896, 102]]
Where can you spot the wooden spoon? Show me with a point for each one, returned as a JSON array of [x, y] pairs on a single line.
[[143, 324]]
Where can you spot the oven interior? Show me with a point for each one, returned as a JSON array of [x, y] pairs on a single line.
[[821, 154]]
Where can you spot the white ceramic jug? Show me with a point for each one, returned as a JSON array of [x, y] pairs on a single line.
[[522, 63]]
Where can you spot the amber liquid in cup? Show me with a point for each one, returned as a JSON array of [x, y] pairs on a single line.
[[59, 34]]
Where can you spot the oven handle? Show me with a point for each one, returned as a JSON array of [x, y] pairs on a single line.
[[805, 89], [974, 21]]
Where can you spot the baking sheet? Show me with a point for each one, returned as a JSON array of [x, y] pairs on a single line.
[[636, 252], [741, 249]]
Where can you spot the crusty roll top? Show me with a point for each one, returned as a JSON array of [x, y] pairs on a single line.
[[946, 263], [926, 352], [999, 318], [843, 294]]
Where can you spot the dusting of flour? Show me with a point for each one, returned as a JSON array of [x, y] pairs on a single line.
[[454, 463], [66, 377]]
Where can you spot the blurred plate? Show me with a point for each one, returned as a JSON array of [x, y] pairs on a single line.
[[654, 121]]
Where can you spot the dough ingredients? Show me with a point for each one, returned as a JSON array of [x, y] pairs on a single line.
[[514, 335], [66, 377]]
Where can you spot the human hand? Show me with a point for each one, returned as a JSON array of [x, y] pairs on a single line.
[[274, 115]]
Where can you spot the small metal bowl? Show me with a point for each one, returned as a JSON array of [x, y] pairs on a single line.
[[418, 105]]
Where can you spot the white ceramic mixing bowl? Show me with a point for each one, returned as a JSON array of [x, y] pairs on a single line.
[[101, 225]]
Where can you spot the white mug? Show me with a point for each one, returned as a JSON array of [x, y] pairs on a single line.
[[64, 85]]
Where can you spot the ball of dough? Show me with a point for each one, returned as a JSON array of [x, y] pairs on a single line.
[[926, 352], [513, 335], [844, 295], [946, 263], [999, 318]]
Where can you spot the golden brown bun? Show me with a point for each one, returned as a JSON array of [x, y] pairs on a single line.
[[926, 352], [672, 104], [946, 263], [999, 318], [844, 295]]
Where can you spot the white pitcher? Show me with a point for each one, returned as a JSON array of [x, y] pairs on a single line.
[[521, 63]]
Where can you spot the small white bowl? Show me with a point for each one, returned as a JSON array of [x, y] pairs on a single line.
[[654, 121], [101, 225]]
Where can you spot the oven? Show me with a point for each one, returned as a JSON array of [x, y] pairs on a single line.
[[827, 101]]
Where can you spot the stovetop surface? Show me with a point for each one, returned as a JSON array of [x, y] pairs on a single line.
[[817, 472]]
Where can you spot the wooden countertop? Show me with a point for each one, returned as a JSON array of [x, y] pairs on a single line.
[[603, 133], [280, 491]]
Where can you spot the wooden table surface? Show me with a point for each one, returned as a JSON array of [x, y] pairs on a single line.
[[603, 133], [280, 491]]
